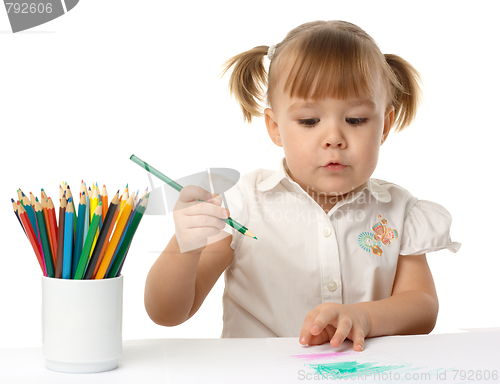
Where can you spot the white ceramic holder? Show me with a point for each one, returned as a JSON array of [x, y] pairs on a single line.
[[82, 324]]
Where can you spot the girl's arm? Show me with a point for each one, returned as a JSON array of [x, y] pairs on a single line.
[[178, 283], [412, 309], [413, 306]]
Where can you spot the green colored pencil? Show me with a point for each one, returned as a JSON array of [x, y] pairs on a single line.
[[47, 255], [89, 240], [129, 235], [233, 223]]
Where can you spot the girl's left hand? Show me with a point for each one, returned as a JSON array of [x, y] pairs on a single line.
[[335, 322]]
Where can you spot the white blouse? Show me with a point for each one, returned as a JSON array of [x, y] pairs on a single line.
[[304, 257]]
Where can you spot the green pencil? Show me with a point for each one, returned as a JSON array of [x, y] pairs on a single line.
[[87, 246], [47, 255], [233, 223], [117, 263]]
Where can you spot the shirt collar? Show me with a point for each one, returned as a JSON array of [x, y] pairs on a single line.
[[378, 191]]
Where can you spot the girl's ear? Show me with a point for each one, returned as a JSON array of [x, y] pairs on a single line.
[[388, 120], [272, 127]]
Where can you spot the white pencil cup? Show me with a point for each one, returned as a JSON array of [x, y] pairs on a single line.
[[82, 324]]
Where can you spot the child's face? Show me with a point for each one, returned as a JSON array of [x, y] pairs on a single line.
[[316, 133]]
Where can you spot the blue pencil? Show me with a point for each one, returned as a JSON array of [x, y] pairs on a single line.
[[80, 225], [68, 241]]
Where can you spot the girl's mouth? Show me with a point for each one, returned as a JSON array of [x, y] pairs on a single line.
[[335, 167]]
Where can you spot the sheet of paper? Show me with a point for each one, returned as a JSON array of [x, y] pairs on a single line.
[[447, 358]]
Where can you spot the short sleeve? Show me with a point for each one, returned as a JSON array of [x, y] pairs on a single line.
[[426, 229], [234, 200]]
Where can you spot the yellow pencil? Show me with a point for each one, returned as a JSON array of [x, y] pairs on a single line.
[[94, 202], [115, 240]]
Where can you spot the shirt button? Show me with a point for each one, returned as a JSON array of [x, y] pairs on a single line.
[[331, 285], [327, 231]]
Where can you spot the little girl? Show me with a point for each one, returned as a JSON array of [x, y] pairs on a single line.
[[338, 254]]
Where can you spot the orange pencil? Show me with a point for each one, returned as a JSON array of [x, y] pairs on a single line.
[[107, 228], [115, 240], [31, 236], [104, 201]]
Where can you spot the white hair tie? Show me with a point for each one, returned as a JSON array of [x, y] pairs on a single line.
[[270, 51]]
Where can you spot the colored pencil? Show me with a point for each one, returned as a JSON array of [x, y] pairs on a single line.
[[102, 241], [31, 236], [33, 200], [68, 196], [87, 246], [105, 203], [233, 223], [82, 188], [68, 240], [60, 238], [49, 264], [14, 205], [132, 215], [77, 249], [43, 203], [52, 223], [115, 240], [94, 202], [31, 214], [87, 214], [117, 265]]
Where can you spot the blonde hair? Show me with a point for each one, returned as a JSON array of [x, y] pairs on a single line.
[[324, 59]]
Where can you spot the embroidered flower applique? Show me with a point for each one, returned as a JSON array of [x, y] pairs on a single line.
[[381, 235]]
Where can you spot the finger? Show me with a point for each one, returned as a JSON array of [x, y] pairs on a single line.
[[202, 221], [305, 332], [328, 315], [324, 337], [358, 340], [193, 193], [343, 328], [207, 209]]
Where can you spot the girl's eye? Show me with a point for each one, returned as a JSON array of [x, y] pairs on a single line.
[[309, 122], [356, 121]]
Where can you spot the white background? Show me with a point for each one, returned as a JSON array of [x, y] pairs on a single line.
[[112, 78]]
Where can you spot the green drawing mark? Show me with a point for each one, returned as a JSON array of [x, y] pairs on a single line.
[[352, 367]]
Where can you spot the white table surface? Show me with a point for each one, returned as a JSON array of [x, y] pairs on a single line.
[[276, 360]]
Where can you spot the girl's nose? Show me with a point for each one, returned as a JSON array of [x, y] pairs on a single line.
[[335, 139]]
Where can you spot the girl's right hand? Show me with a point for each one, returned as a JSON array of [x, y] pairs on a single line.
[[195, 220]]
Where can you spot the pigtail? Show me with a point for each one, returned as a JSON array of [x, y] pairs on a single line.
[[248, 80], [407, 94]]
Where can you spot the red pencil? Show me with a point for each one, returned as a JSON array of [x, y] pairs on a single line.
[[31, 236], [52, 223]]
